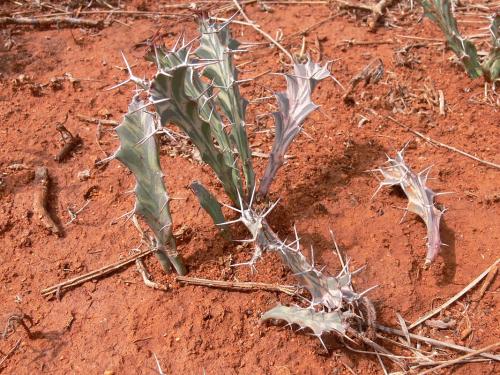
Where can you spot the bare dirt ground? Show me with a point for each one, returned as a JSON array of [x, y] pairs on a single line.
[[115, 324]]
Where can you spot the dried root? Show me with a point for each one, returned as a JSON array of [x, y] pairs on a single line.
[[377, 10], [70, 143], [40, 200], [53, 21]]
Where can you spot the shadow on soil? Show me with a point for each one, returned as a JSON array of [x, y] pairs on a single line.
[[448, 254], [336, 175]]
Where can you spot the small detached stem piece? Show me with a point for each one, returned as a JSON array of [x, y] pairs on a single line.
[[98, 273], [70, 143], [40, 200], [420, 198]]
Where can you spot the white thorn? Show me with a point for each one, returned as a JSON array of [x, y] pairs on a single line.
[[270, 208]]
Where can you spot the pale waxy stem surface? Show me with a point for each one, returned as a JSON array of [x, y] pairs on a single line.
[[420, 198], [295, 104], [138, 151]]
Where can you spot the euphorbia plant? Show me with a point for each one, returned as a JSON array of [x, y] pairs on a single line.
[[440, 12], [420, 198], [198, 90]]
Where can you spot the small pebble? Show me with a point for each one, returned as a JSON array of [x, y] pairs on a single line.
[[84, 175]]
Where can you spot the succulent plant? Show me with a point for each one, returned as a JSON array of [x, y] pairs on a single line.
[[420, 198], [295, 104], [212, 114], [138, 151], [319, 322], [440, 12]]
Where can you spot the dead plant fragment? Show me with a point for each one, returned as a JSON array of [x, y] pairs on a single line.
[[371, 74], [377, 10], [40, 200], [70, 142], [420, 198]]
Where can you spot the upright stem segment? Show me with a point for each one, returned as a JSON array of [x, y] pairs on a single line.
[[139, 152]]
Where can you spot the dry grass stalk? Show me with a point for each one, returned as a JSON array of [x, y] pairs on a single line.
[[434, 342], [443, 145], [243, 286], [57, 21], [460, 359], [471, 285], [101, 272], [262, 32]]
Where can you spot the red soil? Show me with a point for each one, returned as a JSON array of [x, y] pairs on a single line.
[[117, 323]]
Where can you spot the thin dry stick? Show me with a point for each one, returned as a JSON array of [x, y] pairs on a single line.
[[437, 143], [287, 289], [487, 281], [434, 342], [10, 352], [421, 38], [354, 42], [59, 21], [120, 12], [103, 271], [95, 120], [457, 360], [262, 32], [471, 285], [376, 347]]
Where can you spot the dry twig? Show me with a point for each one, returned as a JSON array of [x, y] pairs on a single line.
[[489, 279], [471, 285], [40, 200], [103, 271], [434, 342], [354, 42], [58, 21], [459, 359], [287, 289], [443, 145], [262, 32]]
